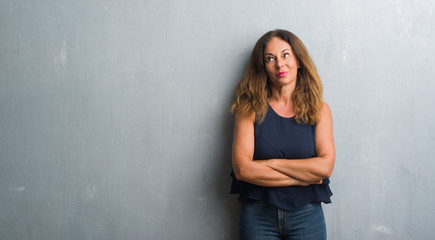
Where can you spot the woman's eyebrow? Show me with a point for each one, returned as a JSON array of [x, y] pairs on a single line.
[[281, 51]]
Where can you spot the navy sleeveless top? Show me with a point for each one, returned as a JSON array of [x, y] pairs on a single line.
[[283, 138]]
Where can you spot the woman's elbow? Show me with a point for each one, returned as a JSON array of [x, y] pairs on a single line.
[[242, 174], [327, 173], [326, 170], [238, 174]]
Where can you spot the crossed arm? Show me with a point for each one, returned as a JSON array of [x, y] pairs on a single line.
[[281, 172]]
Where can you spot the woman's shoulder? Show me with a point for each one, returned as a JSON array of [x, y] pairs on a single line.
[[244, 117], [325, 113], [325, 107]]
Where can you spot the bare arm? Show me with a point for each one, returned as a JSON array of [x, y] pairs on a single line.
[[248, 170], [312, 169]]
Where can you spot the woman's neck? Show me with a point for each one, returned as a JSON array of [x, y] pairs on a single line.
[[282, 94]]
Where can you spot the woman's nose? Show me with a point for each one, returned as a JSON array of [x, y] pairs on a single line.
[[279, 63]]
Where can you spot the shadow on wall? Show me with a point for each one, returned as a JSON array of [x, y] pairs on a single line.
[[222, 183], [228, 205]]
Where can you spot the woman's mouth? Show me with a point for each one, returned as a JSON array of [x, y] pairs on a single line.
[[282, 74]]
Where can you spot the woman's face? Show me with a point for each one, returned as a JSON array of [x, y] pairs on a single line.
[[281, 63]]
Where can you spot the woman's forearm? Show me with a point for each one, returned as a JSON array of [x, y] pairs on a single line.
[[265, 176], [311, 169]]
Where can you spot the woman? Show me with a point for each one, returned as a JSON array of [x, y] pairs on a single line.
[[283, 146]]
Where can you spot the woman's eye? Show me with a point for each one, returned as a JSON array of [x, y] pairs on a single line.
[[286, 55], [269, 59]]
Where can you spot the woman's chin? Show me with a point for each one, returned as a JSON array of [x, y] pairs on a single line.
[[283, 82]]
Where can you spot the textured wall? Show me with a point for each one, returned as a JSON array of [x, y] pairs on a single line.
[[114, 118]]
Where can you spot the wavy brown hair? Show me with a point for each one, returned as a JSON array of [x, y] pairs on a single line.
[[253, 90]]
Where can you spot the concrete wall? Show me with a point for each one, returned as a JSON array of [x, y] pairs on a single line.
[[114, 119]]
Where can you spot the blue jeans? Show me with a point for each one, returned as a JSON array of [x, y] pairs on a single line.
[[261, 220]]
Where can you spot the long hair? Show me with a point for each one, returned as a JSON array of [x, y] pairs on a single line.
[[253, 90]]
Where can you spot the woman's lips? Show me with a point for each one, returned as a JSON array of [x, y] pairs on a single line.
[[282, 74]]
